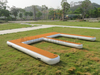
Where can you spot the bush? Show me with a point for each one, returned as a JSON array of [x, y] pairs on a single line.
[[9, 18], [2, 21]]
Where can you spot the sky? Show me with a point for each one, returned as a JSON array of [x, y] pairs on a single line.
[[48, 3]]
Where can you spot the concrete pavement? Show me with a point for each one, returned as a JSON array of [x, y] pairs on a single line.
[[79, 27], [40, 27], [24, 29]]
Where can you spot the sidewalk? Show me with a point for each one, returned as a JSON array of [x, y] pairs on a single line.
[[24, 29], [79, 27], [40, 27]]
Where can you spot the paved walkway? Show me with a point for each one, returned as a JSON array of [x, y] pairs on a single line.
[[79, 27], [33, 21], [40, 27], [24, 29]]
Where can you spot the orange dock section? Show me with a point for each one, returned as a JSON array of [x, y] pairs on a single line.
[[37, 50], [32, 37]]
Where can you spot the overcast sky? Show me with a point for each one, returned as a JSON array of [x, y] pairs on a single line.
[[48, 3]]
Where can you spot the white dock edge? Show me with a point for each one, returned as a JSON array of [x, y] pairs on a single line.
[[79, 37], [64, 43], [45, 59]]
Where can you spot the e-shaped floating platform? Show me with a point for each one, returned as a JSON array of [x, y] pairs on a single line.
[[47, 57]]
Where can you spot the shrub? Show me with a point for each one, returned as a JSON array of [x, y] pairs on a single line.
[[2, 21]]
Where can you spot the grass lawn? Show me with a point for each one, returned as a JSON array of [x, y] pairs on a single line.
[[74, 61], [12, 26], [83, 24]]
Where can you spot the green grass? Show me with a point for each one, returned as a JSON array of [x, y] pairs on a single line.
[[74, 61], [83, 24], [12, 26]]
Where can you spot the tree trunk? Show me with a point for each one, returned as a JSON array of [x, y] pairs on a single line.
[[83, 17], [15, 17], [63, 13], [63, 16], [34, 13]]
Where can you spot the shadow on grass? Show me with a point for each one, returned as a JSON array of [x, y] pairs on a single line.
[[61, 63], [84, 49], [96, 41]]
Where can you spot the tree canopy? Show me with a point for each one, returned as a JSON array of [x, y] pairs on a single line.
[[14, 11], [65, 6], [3, 9], [84, 7]]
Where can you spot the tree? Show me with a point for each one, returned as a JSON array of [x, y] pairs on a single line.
[[34, 12], [70, 11], [91, 13], [3, 4], [14, 11], [51, 14], [84, 7], [21, 10], [65, 6], [3, 11], [30, 14], [39, 14], [77, 11], [58, 13], [98, 12], [44, 8], [26, 14], [21, 15]]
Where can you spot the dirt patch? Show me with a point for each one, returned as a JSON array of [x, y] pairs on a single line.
[[95, 59]]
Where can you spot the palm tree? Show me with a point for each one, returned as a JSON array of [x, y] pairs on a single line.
[[35, 10], [44, 7], [26, 14], [65, 6]]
